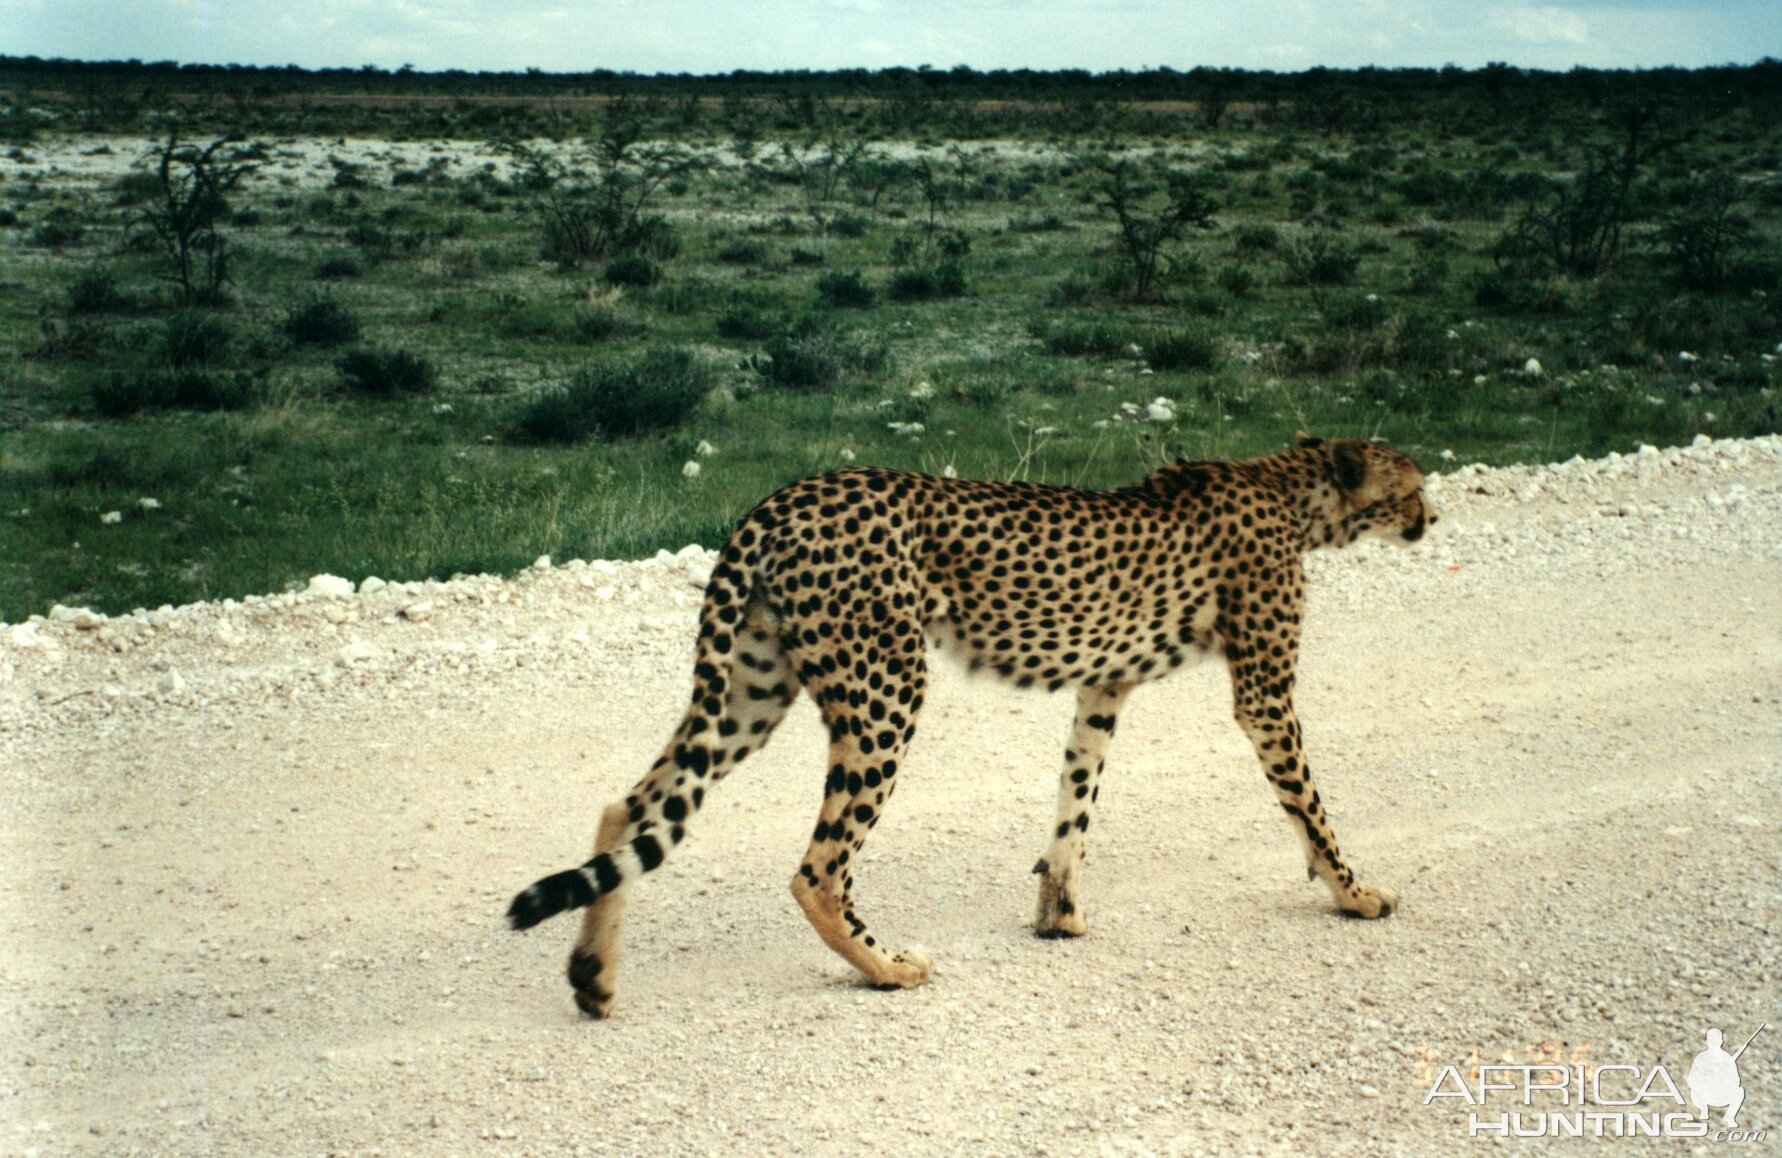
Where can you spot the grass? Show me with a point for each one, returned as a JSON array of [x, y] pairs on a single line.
[[352, 406]]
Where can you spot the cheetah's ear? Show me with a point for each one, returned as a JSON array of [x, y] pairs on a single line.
[[1306, 442], [1349, 458]]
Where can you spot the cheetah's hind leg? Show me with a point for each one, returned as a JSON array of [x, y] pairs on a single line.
[[869, 727]]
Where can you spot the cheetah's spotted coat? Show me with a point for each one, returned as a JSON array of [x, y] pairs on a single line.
[[835, 585]]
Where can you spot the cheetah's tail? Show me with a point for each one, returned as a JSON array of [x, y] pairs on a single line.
[[655, 823]]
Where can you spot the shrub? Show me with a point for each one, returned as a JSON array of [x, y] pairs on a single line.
[[1095, 336], [845, 291], [95, 291], [945, 280], [386, 372], [338, 267], [1072, 291], [120, 394], [744, 251], [749, 322], [520, 318], [805, 257], [321, 322], [1319, 258], [1236, 279], [56, 233], [628, 399], [1357, 313], [1257, 239], [632, 269], [192, 337], [815, 359], [1182, 350], [849, 226], [1428, 273], [603, 322]]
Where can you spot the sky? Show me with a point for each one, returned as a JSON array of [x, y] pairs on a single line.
[[705, 36]]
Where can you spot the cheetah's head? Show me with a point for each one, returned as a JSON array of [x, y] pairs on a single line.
[[1379, 492]]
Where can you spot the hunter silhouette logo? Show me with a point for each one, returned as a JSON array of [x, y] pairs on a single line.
[[1554, 1100], [1714, 1077]]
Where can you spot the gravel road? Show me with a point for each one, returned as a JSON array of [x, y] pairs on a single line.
[[257, 855]]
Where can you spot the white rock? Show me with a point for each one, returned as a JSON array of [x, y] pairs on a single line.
[[149, 504], [371, 584], [705, 449], [357, 652], [24, 635], [690, 469], [111, 517], [417, 612], [171, 683], [542, 563], [1532, 368], [330, 586]]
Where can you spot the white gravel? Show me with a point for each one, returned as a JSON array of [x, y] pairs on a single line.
[[257, 854]]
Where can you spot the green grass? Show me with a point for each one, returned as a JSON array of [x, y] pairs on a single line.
[[1340, 292]]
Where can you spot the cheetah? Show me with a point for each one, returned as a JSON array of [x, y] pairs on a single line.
[[836, 585]]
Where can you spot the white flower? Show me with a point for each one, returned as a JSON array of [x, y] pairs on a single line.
[[922, 391], [149, 504], [1685, 356], [1532, 368], [110, 517], [1046, 431], [949, 472], [690, 469], [1160, 411], [1453, 335], [442, 408], [705, 449], [1479, 379], [847, 455], [906, 428], [1446, 456]]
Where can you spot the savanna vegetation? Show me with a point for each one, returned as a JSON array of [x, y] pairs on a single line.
[[261, 323]]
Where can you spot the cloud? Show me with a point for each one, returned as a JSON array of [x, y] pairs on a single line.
[[1547, 25]]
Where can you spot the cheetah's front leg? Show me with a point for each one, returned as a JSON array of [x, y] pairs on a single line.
[[1060, 909], [1264, 708]]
